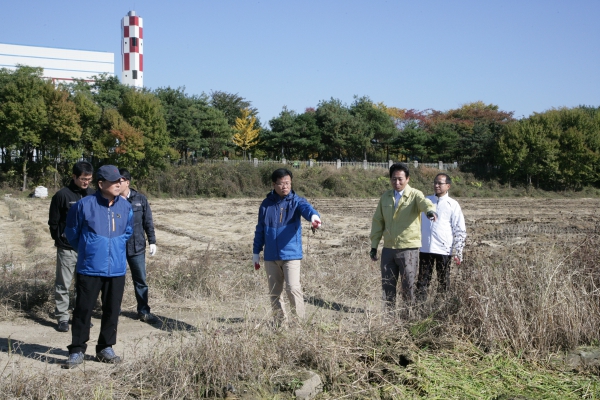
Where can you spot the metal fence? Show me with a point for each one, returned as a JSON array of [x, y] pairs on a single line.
[[337, 164]]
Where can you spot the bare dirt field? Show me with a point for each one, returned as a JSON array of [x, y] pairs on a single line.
[[185, 229]]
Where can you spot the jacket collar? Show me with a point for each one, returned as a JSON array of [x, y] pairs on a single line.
[[274, 197], [443, 198], [104, 201], [407, 190], [76, 189]]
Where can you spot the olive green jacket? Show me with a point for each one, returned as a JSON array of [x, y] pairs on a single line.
[[400, 228]]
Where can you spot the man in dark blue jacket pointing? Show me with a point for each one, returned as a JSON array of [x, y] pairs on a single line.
[[279, 231], [98, 228]]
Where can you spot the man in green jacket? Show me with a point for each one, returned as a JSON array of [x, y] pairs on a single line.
[[398, 219]]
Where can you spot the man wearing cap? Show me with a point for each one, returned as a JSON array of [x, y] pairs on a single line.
[[143, 227], [98, 228], [66, 256]]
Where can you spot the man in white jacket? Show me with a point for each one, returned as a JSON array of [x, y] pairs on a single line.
[[441, 241]]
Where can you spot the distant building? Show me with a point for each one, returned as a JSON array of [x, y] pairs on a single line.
[[60, 65], [132, 50]]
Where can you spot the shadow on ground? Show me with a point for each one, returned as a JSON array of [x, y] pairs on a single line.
[[31, 350], [331, 305], [164, 323]]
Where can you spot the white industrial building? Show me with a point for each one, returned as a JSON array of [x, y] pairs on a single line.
[[60, 65]]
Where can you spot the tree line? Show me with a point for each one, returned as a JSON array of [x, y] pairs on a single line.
[[44, 128]]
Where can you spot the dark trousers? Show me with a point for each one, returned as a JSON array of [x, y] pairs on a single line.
[[88, 289], [398, 265], [442, 267], [137, 266]]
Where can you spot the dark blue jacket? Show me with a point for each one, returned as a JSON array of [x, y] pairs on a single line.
[[99, 234], [279, 228], [142, 223]]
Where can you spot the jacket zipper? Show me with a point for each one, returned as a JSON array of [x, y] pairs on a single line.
[[111, 222]]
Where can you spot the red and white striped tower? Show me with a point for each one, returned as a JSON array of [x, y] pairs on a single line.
[[132, 50]]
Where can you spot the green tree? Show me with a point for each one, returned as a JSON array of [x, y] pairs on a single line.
[[443, 143], [478, 126], [378, 128], [108, 91], [215, 133], [412, 141], [281, 139], [308, 143], [576, 132], [193, 125], [23, 112], [341, 133], [181, 117], [119, 142], [292, 135], [528, 152], [231, 105], [89, 119], [62, 135], [144, 112]]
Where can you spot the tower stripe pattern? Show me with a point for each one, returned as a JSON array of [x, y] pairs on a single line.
[[132, 49]]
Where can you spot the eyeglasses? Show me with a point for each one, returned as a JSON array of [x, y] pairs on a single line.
[[439, 183], [283, 184], [85, 179]]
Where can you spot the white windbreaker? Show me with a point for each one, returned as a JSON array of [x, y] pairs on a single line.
[[448, 234]]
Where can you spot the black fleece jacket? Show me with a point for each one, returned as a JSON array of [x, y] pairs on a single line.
[[59, 208]]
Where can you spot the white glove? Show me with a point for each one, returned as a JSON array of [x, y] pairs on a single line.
[[152, 249], [315, 221], [256, 261]]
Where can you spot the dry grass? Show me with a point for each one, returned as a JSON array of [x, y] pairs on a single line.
[[489, 336]]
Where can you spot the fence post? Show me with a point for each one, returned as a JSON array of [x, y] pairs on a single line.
[[256, 162], [311, 162], [455, 164], [440, 165], [365, 164], [339, 164], [416, 164], [283, 161], [390, 163], [225, 159]]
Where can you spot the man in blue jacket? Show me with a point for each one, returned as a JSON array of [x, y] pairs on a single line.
[[98, 228], [279, 232]]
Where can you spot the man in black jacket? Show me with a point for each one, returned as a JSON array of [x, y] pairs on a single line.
[[136, 246], [66, 256]]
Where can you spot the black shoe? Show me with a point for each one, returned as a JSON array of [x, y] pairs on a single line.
[[108, 355], [148, 318], [63, 326]]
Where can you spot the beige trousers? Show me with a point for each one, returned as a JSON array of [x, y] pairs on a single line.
[[279, 272]]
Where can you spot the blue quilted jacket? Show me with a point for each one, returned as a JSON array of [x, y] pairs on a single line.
[[279, 229], [99, 234]]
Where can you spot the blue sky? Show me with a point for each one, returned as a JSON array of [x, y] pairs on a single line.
[[524, 56]]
